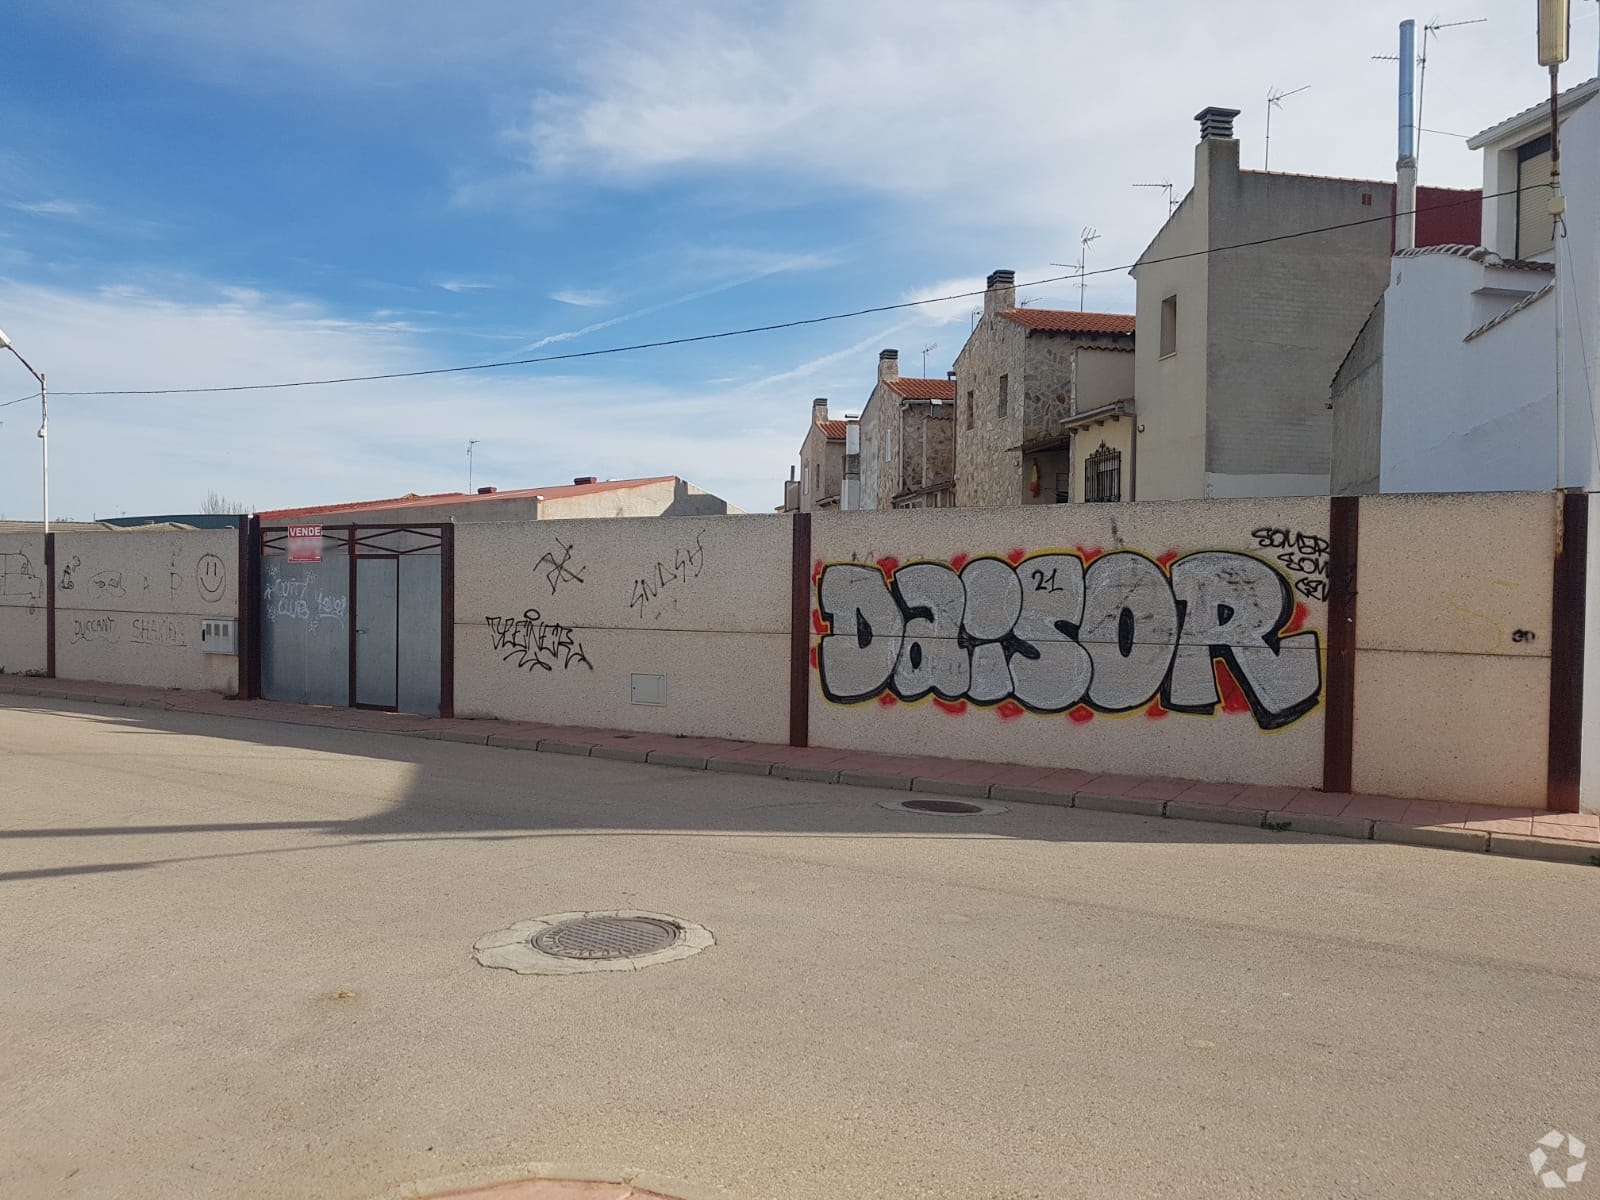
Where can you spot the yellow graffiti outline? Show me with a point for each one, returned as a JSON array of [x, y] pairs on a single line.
[[1077, 553]]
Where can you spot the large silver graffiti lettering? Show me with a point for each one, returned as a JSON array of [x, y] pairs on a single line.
[[1051, 634]]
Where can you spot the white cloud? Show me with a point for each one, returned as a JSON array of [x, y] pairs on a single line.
[[51, 208], [1012, 121], [465, 285], [278, 448], [581, 299]]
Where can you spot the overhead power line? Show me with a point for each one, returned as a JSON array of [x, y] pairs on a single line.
[[798, 323]]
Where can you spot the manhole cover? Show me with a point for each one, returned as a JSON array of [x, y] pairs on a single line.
[[951, 807], [573, 943], [607, 937], [931, 807]]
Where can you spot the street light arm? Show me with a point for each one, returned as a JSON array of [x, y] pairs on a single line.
[[25, 362]]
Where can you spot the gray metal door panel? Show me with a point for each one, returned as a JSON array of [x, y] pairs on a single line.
[[305, 632], [377, 631], [420, 616]]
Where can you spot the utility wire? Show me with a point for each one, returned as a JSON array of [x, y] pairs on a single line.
[[20, 399], [795, 324]]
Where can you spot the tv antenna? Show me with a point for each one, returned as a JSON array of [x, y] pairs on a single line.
[[927, 350], [1089, 235], [1431, 29], [1275, 99], [1166, 186], [470, 445]]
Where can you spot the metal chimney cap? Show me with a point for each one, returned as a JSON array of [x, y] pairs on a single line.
[[1216, 122]]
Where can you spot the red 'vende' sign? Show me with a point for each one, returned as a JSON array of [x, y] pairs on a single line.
[[305, 543]]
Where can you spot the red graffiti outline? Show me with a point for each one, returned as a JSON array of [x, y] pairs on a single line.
[[888, 564], [1233, 700], [1009, 710], [1016, 555], [1089, 553], [1080, 714], [887, 699], [1297, 622], [959, 560], [954, 709], [1155, 712], [1165, 561]]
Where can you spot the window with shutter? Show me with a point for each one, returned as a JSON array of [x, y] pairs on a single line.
[[1535, 227]]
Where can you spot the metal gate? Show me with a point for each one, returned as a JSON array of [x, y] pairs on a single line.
[[366, 625]]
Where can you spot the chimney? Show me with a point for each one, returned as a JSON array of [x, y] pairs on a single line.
[[583, 479], [888, 364], [1405, 166], [1000, 292], [819, 409], [1216, 123], [487, 491]]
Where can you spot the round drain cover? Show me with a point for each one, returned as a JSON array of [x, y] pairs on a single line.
[[607, 937], [952, 807]]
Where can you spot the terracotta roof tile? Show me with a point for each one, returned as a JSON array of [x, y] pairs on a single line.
[[832, 430], [1060, 320], [914, 387]]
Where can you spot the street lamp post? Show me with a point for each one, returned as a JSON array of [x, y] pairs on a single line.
[[44, 423]]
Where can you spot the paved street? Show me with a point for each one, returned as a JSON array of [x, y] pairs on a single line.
[[238, 963]]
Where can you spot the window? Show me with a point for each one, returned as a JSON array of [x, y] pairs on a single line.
[[970, 403], [1102, 476], [1169, 326], [1063, 487], [1535, 226], [1005, 396]]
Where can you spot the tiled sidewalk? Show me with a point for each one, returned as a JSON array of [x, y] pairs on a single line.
[[1524, 833]]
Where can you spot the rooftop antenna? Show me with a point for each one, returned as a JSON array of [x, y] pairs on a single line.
[[1429, 30], [1275, 99], [927, 350], [1166, 186], [976, 313], [470, 445]]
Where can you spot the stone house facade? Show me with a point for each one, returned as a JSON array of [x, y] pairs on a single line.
[[821, 463], [1017, 396], [907, 440]]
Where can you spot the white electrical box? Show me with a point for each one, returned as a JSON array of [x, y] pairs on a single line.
[[219, 637], [647, 689]]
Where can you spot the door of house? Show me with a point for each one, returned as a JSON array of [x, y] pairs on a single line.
[[363, 627]]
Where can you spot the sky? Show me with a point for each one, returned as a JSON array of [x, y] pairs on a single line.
[[199, 193]]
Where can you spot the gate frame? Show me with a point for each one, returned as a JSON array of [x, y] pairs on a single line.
[[253, 538]]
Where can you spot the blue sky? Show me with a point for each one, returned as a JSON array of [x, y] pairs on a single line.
[[199, 192]]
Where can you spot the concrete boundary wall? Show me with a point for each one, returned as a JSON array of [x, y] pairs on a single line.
[[1182, 639], [24, 600], [1453, 647], [129, 606], [660, 624], [1427, 646]]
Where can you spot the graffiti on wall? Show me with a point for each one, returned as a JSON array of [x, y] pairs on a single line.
[[211, 577], [666, 576], [297, 600], [1304, 554], [532, 643], [1077, 633], [559, 570], [18, 578]]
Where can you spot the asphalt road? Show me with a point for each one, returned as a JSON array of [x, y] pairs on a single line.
[[237, 962]]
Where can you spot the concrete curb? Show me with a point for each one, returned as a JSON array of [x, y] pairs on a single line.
[[1444, 837], [620, 753], [738, 766], [1140, 806], [1216, 813], [1447, 836], [1516, 845], [806, 774], [1322, 824], [895, 783], [951, 787], [1028, 795]]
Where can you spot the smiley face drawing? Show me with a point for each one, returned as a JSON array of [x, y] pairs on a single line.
[[210, 578]]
